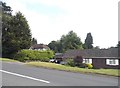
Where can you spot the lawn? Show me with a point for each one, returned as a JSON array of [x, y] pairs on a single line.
[[8, 60], [110, 72]]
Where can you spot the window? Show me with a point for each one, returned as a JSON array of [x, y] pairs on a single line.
[[87, 61], [112, 62]]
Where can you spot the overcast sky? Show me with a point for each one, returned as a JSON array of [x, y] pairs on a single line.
[[50, 19]]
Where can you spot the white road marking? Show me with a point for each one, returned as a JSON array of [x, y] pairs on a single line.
[[25, 76]]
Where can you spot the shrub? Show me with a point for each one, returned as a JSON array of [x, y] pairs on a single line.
[[33, 55], [70, 62], [89, 66], [20, 56], [26, 58], [78, 60]]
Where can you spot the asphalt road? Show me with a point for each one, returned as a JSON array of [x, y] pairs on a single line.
[[18, 74]]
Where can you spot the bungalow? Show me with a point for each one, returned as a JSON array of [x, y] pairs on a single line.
[[39, 47], [99, 58]]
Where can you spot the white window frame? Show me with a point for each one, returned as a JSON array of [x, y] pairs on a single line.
[[87, 61], [112, 61]]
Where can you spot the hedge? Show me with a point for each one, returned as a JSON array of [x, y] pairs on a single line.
[[34, 55]]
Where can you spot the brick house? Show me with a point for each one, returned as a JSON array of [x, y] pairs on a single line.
[[99, 58]]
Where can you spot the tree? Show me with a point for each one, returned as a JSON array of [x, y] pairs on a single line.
[[34, 41], [70, 41], [88, 41], [6, 19], [6, 9], [55, 46], [16, 33], [78, 60], [21, 30]]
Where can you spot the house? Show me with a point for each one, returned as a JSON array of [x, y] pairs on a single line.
[[39, 47], [99, 58]]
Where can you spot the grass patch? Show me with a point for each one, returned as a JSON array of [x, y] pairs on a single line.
[[8, 60], [110, 72]]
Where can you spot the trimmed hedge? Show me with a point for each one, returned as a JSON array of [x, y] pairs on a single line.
[[34, 55]]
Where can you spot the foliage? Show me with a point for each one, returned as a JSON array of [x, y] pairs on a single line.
[[66, 42], [89, 66], [78, 60], [55, 46], [16, 33], [71, 41], [70, 62], [33, 55], [88, 41], [6, 9]]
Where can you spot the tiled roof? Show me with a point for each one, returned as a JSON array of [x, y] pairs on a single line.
[[92, 53], [39, 46]]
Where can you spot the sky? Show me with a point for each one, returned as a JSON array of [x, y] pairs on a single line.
[[50, 19]]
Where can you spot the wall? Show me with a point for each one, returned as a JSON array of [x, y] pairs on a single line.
[[101, 63]]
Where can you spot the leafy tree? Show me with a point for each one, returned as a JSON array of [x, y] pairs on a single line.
[[88, 41], [6, 19], [16, 33], [78, 60], [55, 46], [21, 31], [6, 9], [69, 41], [34, 41]]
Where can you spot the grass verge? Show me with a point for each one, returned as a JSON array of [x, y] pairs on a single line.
[[110, 72], [8, 60]]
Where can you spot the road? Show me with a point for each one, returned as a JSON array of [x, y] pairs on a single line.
[[19, 74]]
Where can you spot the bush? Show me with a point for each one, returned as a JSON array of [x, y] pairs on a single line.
[[89, 66], [78, 61], [70, 62], [34, 55]]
